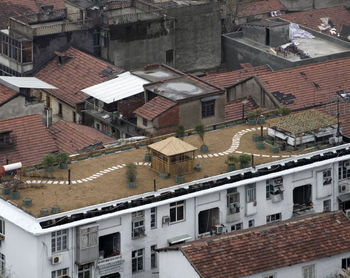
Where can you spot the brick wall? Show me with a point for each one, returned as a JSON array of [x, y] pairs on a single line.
[[129, 105], [168, 121]]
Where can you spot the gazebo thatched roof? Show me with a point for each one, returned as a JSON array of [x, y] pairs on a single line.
[[306, 121], [172, 146]]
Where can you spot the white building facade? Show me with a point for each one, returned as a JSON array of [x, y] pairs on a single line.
[[119, 238]]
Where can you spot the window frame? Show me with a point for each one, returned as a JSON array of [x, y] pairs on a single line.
[[144, 122], [153, 218], [308, 268], [329, 205], [269, 275], [250, 197], [137, 259], [233, 201], [154, 263], [346, 262], [138, 224], [83, 269], [59, 239], [251, 223], [343, 172], [327, 177], [176, 206], [91, 234], [2, 264], [63, 273], [237, 227], [208, 108], [272, 218]]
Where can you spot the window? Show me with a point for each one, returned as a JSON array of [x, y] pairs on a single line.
[[2, 264], [208, 108], [61, 273], [153, 218], [137, 260], [251, 193], [88, 237], [84, 271], [269, 276], [309, 271], [60, 109], [59, 241], [344, 170], [144, 121], [177, 210], [2, 227], [169, 56], [237, 227], [233, 202], [74, 117], [327, 177], [273, 218], [345, 263], [251, 223], [21, 51], [327, 205], [138, 224], [269, 189], [153, 256]]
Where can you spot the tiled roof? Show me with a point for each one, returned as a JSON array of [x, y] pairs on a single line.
[[234, 109], [226, 79], [270, 247], [71, 137], [259, 7], [312, 18], [5, 93], [13, 8], [32, 140], [80, 71], [154, 108]]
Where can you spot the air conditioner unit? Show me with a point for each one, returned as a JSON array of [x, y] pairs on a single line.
[[332, 140], [165, 220], [57, 259], [343, 187], [347, 213], [219, 229]]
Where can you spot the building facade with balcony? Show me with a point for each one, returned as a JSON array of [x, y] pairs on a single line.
[[119, 238]]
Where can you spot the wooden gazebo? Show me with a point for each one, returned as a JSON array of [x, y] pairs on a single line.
[[173, 156]]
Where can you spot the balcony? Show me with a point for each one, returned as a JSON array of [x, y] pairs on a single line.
[[42, 24], [110, 265], [233, 212], [276, 196], [112, 119], [302, 209], [251, 208]]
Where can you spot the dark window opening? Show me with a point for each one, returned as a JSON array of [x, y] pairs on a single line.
[[60, 109], [208, 108], [302, 197], [144, 121], [109, 245], [207, 219], [169, 56], [267, 38], [74, 117]]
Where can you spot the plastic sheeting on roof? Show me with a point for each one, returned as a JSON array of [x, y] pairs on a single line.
[[123, 86], [16, 83]]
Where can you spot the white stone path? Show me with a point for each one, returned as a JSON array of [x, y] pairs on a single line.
[[233, 149]]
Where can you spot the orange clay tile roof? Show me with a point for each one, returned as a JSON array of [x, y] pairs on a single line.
[[229, 78], [31, 140], [13, 8], [79, 72], [234, 109], [71, 137], [290, 242], [259, 7], [154, 108], [6, 93], [311, 19]]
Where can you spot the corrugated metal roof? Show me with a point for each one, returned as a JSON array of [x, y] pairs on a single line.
[[123, 86], [16, 83]]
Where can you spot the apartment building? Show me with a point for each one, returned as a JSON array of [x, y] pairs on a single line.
[[107, 230]]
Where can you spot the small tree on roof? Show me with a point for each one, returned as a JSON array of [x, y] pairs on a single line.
[[180, 131], [200, 129]]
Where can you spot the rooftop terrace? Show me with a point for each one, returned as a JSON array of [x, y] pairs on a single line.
[[102, 179]]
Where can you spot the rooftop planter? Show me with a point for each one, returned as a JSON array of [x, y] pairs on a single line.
[[48, 161], [244, 160], [131, 175], [62, 160], [231, 161], [200, 129]]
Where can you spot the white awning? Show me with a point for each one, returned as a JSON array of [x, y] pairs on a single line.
[[123, 86], [178, 239], [16, 83]]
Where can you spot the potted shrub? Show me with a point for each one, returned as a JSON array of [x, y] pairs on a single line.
[[5, 185], [180, 131], [147, 157], [284, 111], [200, 129], [48, 162], [197, 168], [14, 189], [251, 116], [244, 160], [131, 174], [230, 161], [180, 178], [62, 160]]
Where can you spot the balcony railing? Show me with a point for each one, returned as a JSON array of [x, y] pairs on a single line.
[[302, 209], [110, 265]]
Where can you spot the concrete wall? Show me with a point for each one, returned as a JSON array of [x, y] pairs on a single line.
[[198, 36], [191, 113], [251, 88], [17, 107], [302, 5], [169, 265], [279, 35], [236, 52], [140, 43]]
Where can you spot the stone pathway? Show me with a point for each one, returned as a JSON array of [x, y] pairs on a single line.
[[233, 149]]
